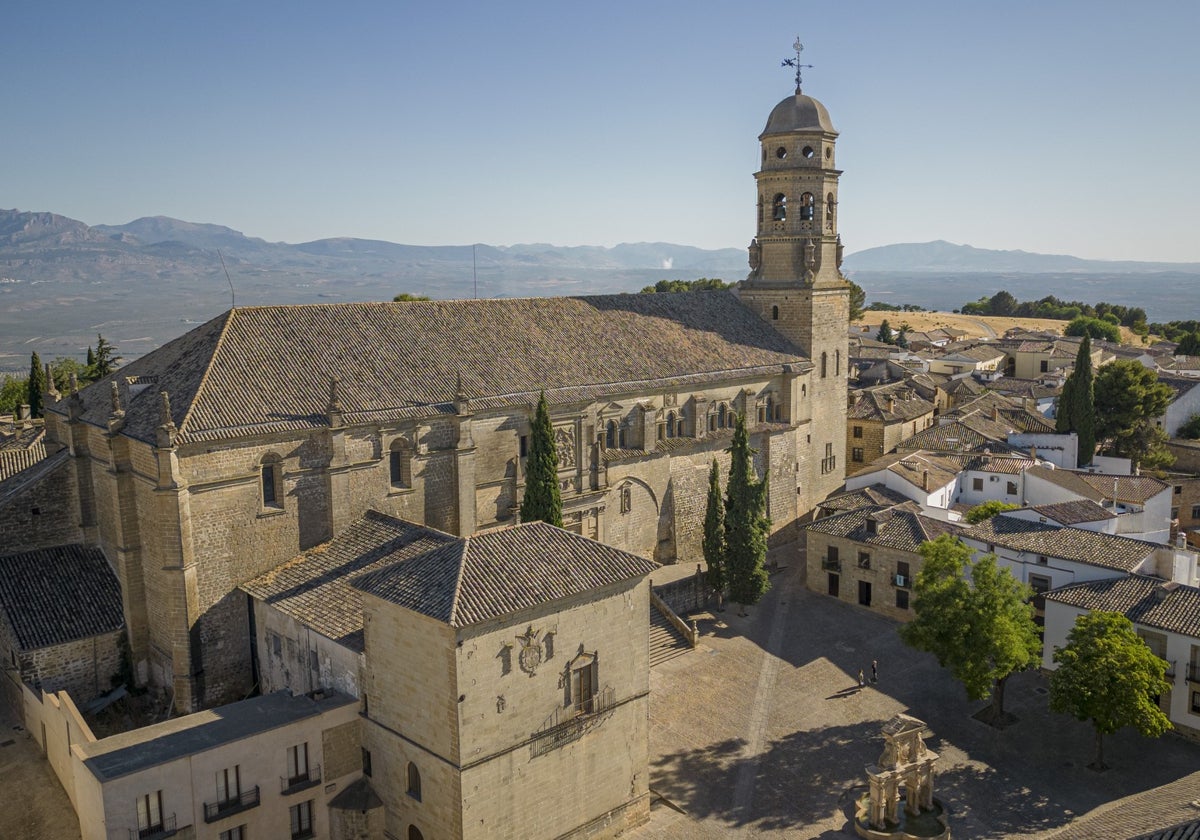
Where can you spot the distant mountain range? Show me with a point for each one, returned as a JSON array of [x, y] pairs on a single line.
[[145, 282]]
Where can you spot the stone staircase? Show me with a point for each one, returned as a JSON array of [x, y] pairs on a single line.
[[665, 641]]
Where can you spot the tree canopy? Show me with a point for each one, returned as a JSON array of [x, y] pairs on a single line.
[[1076, 404], [1107, 675], [406, 297], [885, 333], [746, 523], [1094, 327], [1189, 345], [1129, 399], [1190, 429], [106, 358], [703, 284], [976, 619], [37, 385], [858, 297], [714, 532], [543, 498], [988, 509]]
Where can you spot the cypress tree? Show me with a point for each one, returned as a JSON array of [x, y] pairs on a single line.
[[714, 534], [746, 524], [543, 498], [1076, 403], [37, 385], [91, 358]]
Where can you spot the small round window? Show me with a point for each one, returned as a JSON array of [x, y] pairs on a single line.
[[808, 151], [781, 153]]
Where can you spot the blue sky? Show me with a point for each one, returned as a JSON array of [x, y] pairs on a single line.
[[1063, 127]]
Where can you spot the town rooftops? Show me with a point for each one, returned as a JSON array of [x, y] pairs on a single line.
[[52, 596], [889, 403], [1074, 512], [1074, 544], [244, 372], [314, 587], [1143, 599], [473, 579], [873, 495], [921, 469], [150, 746], [1134, 489], [900, 527], [959, 436]]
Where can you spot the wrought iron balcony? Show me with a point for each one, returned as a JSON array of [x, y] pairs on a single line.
[[830, 564], [295, 784], [164, 829], [214, 811], [1193, 672], [557, 732]]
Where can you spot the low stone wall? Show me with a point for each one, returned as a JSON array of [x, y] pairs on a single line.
[[1187, 455], [56, 726], [685, 595]]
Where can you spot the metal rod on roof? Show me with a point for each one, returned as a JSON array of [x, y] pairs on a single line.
[[474, 273]]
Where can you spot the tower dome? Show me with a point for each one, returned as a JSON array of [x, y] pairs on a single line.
[[798, 113]]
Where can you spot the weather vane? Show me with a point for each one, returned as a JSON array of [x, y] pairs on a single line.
[[795, 62]]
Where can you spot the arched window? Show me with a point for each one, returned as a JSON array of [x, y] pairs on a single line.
[[808, 207], [779, 207], [824, 365], [721, 416], [400, 464], [272, 481], [414, 833], [671, 424], [774, 313], [414, 782], [610, 434], [829, 205], [770, 408], [712, 422], [679, 426]]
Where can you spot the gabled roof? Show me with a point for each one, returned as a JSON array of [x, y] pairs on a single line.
[[958, 436], [913, 467], [52, 596], [1075, 544], [873, 495], [268, 368], [1135, 489], [1074, 512], [1143, 599], [896, 527], [889, 403], [314, 587], [493, 574]]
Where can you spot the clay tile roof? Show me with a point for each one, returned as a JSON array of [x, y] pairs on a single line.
[[1145, 600], [1134, 489], [497, 573], [267, 368], [52, 596], [889, 403], [897, 527], [314, 587], [1105, 550], [873, 495], [1074, 512], [957, 437], [21, 450]]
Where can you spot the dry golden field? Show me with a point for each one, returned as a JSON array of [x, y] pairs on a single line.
[[976, 326]]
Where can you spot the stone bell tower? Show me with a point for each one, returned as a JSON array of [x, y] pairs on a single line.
[[795, 282]]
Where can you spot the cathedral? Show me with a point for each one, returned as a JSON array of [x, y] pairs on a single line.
[[269, 430]]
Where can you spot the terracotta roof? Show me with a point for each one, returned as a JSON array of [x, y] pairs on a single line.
[[894, 527], [1094, 549], [1136, 489], [56, 595], [1165, 812], [1149, 601], [1074, 512], [889, 403], [957, 436], [873, 495], [267, 368], [497, 573], [912, 466], [21, 450], [314, 587]]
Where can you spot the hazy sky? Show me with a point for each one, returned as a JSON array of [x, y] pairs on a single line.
[[1063, 127]]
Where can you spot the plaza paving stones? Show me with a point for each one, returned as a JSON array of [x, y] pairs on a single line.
[[763, 731]]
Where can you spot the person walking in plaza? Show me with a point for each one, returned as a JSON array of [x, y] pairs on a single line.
[[874, 670], [862, 681]]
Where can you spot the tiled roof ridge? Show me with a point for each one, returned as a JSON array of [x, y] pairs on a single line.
[[464, 547], [195, 400]]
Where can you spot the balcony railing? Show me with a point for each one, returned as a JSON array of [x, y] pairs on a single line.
[[214, 811], [831, 564], [294, 784], [556, 732], [1170, 673], [1193, 672], [164, 829]]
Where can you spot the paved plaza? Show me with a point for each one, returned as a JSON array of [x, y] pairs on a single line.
[[763, 731]]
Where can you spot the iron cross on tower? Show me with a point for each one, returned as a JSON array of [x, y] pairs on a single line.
[[795, 62]]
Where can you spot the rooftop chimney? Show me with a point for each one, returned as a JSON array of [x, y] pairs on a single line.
[[925, 480]]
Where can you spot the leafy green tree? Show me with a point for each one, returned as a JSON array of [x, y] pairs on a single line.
[[746, 523], [13, 393], [714, 534], [62, 367], [405, 297], [91, 359], [1002, 303], [1189, 345], [1190, 429], [858, 298], [976, 619], [37, 385], [885, 333], [988, 509], [1129, 399], [1076, 404], [106, 358], [902, 337], [701, 285], [543, 498], [1108, 676], [1094, 327]]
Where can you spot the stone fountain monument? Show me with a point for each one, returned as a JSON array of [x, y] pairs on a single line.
[[906, 763]]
